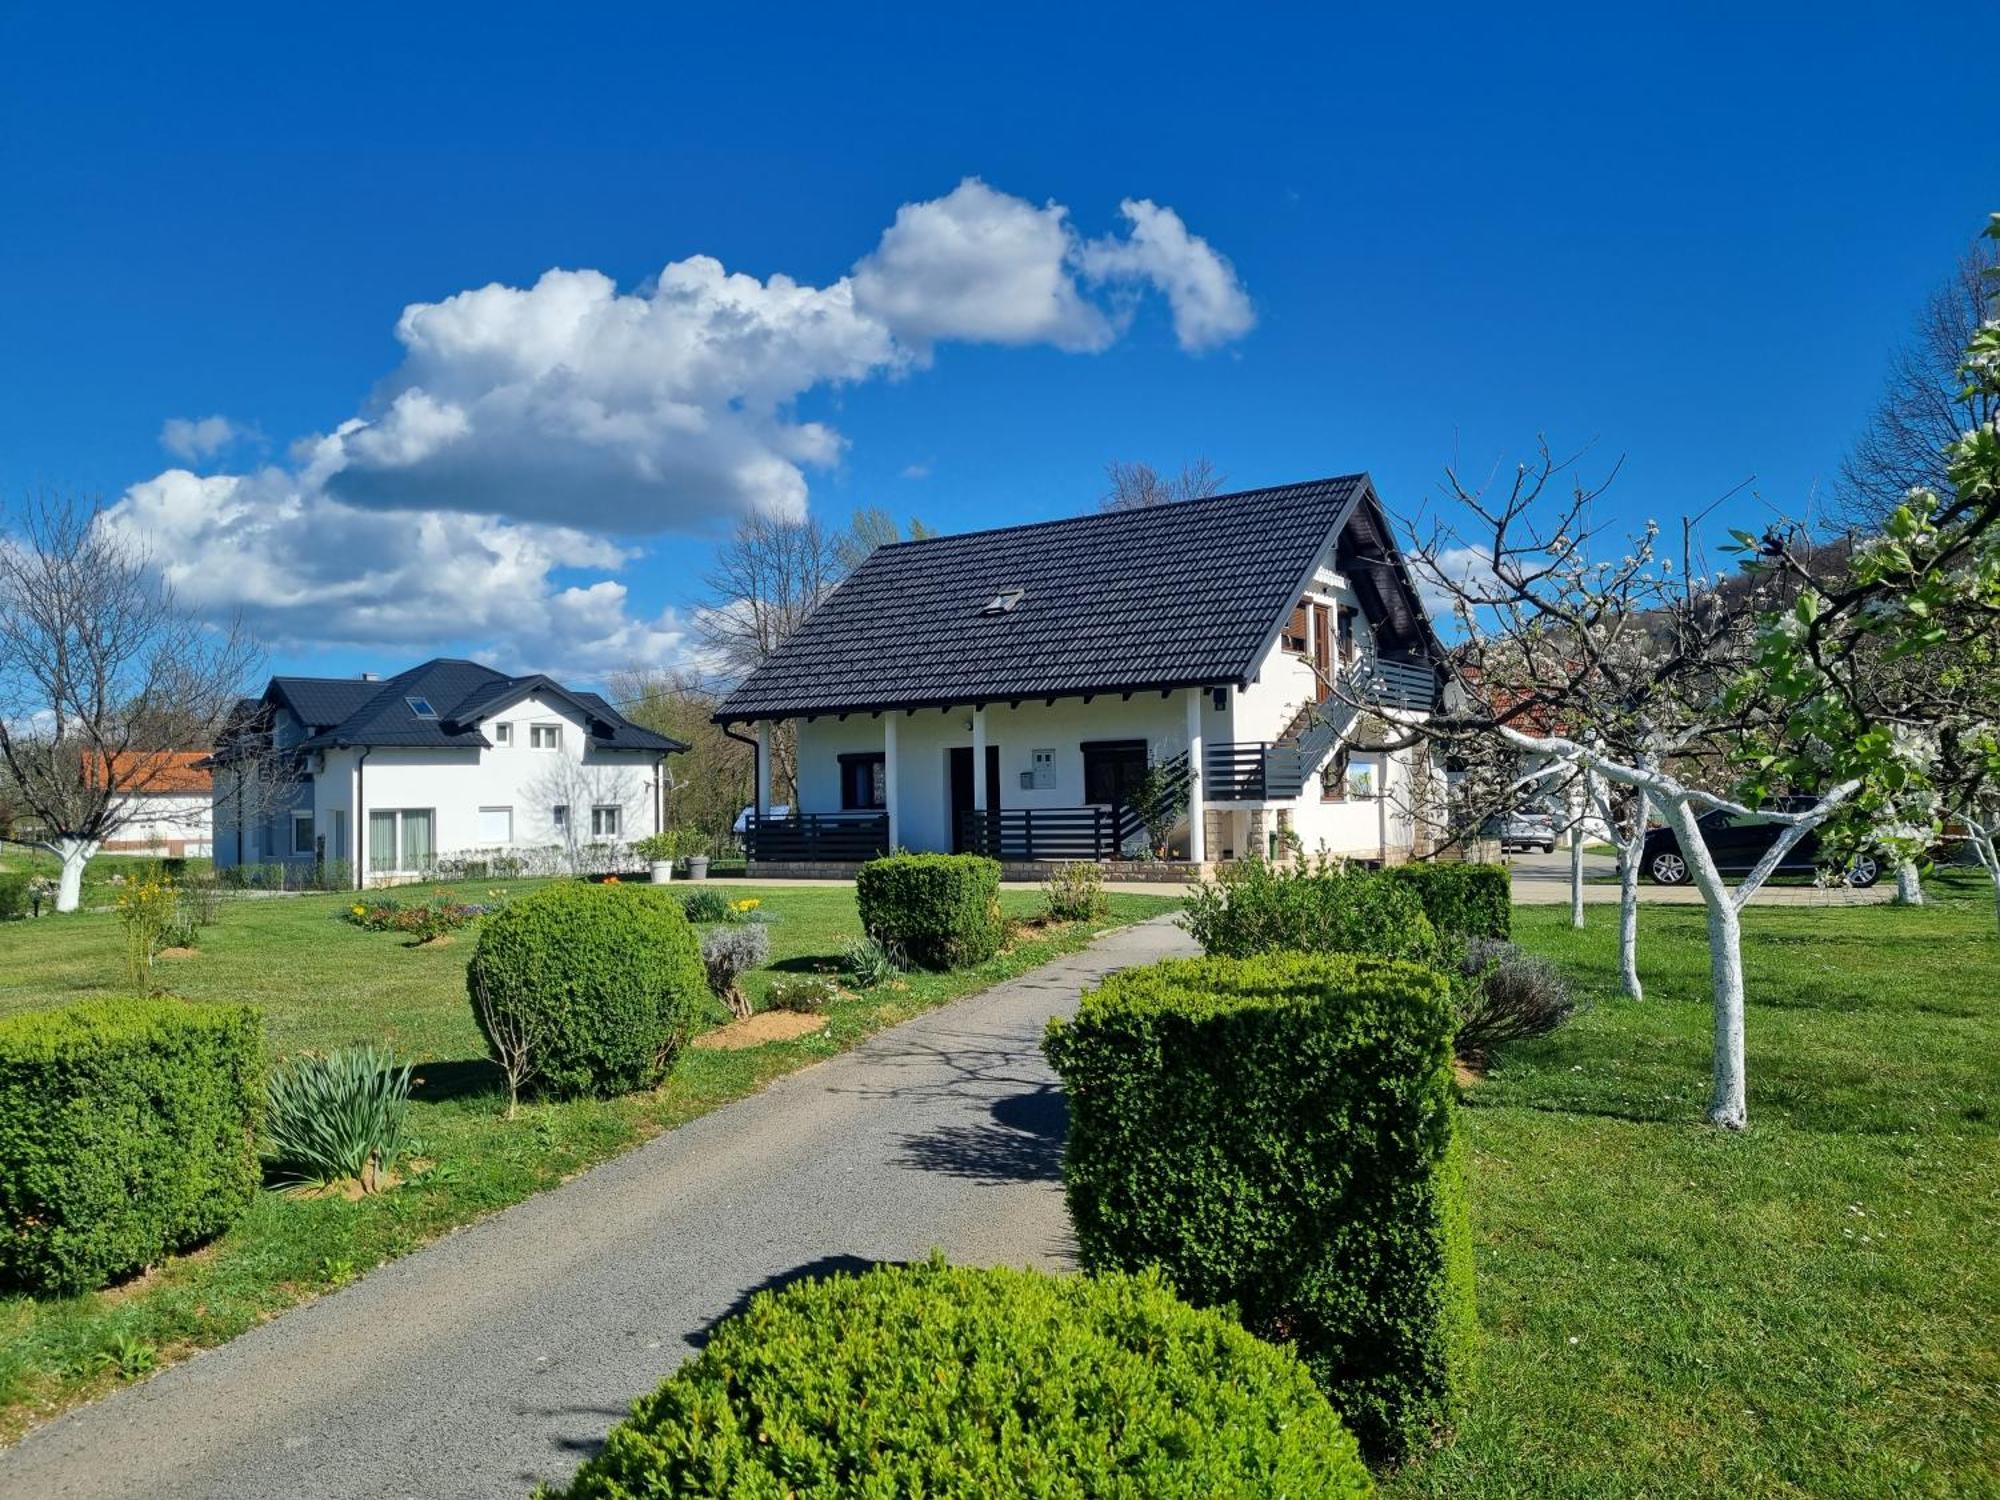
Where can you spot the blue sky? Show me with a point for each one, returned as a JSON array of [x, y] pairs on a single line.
[[1689, 240]]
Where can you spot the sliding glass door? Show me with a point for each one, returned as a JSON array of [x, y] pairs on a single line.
[[401, 840]]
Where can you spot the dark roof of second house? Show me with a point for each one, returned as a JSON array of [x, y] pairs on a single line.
[[1181, 595], [353, 711]]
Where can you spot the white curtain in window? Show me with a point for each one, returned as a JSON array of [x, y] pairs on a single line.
[[417, 846], [381, 841], [496, 825]]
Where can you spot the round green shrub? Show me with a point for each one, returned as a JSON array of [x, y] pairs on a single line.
[[1325, 907], [600, 984], [941, 911], [944, 1382]]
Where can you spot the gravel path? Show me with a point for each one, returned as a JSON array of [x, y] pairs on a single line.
[[499, 1356]]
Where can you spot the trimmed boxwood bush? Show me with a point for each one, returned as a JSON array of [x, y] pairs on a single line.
[[13, 896], [940, 911], [128, 1130], [1278, 1133], [1471, 901], [599, 984], [959, 1384], [1323, 907]]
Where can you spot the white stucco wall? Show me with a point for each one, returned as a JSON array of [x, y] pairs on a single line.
[[166, 822]]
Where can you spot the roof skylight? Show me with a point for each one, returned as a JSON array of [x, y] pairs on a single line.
[[421, 707], [1004, 602]]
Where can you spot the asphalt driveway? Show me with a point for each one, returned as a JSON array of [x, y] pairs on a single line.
[[499, 1356]]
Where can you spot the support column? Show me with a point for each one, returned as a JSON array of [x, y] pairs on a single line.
[[889, 758], [1197, 801], [763, 767], [979, 760]]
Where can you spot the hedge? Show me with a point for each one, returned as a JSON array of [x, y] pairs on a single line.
[[1324, 907], [1472, 901], [13, 896], [960, 1384], [941, 911], [128, 1130], [605, 983], [1279, 1133]]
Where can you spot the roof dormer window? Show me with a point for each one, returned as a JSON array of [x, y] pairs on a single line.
[[1003, 603], [421, 707]]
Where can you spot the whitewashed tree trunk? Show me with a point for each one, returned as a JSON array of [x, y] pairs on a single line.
[[1909, 884], [1628, 918], [74, 854], [1576, 873], [1729, 1100]]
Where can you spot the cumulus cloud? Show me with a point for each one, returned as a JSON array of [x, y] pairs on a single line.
[[197, 438], [980, 266], [1209, 304], [307, 571], [525, 425]]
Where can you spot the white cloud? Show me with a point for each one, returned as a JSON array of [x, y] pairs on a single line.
[[525, 425], [919, 470], [1209, 304], [307, 571], [197, 438], [984, 267]]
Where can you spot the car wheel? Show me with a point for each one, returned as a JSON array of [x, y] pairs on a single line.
[[1668, 868], [1864, 872]]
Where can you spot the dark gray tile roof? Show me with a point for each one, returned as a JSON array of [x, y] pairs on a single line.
[[1173, 596], [350, 711]]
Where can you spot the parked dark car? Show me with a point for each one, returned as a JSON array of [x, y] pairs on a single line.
[[1737, 842]]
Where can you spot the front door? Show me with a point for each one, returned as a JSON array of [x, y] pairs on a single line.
[[1112, 771], [961, 789]]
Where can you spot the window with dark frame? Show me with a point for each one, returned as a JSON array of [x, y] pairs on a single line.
[[1347, 646], [864, 782]]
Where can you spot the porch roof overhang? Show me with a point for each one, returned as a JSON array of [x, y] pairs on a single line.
[[1120, 690]]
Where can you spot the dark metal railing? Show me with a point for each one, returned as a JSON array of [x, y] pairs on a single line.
[[1040, 832], [1411, 685], [1253, 771], [840, 837]]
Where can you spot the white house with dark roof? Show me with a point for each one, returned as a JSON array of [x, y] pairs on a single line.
[[385, 777], [1202, 639]]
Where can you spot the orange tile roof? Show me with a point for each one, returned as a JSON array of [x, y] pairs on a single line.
[[158, 772]]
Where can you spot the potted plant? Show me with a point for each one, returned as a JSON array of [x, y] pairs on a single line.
[[659, 851], [695, 847]]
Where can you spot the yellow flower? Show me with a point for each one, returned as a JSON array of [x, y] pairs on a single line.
[[359, 912]]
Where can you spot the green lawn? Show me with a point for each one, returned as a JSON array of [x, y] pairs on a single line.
[[1808, 1309], [322, 984]]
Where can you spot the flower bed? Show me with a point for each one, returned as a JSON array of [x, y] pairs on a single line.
[[422, 920]]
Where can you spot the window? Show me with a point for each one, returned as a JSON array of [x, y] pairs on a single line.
[[606, 822], [400, 839], [302, 833], [545, 736], [559, 818], [503, 735], [496, 825], [864, 782], [1347, 646], [1361, 779], [1003, 603], [421, 707], [1293, 637]]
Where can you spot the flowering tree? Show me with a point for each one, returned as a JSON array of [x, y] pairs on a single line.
[[1888, 672]]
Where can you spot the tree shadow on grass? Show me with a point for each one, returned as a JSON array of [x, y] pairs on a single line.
[[461, 1078], [806, 963]]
